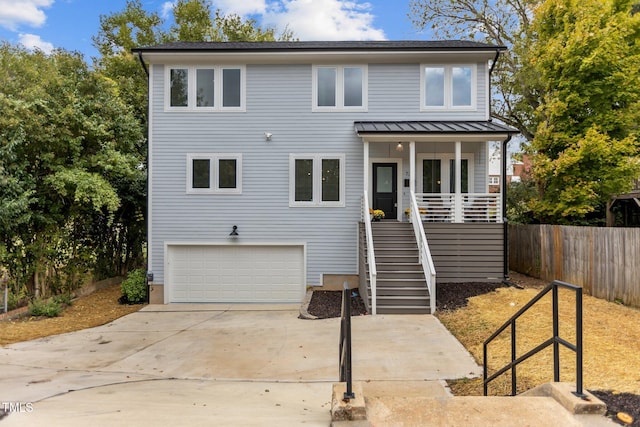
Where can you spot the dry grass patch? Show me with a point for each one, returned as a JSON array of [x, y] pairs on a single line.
[[611, 339], [96, 309]]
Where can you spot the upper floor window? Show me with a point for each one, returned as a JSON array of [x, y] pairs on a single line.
[[448, 86], [316, 180], [213, 88], [214, 173], [340, 87]]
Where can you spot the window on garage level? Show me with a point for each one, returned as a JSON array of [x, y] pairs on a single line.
[[214, 173], [316, 180]]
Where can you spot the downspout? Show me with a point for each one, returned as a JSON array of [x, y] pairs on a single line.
[[149, 275], [146, 71], [493, 64], [505, 221]]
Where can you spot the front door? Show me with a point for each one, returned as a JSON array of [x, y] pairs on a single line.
[[385, 188]]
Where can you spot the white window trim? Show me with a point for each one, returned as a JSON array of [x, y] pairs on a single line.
[[214, 176], [317, 179], [192, 88], [444, 169], [448, 88], [340, 88]]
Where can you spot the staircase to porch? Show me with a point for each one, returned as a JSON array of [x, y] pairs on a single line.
[[401, 285]]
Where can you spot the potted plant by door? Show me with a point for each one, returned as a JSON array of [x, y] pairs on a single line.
[[376, 214]]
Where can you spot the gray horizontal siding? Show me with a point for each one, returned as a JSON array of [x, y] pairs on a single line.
[[278, 101], [466, 252]]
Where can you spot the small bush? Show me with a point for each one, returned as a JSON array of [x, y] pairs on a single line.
[[64, 299], [134, 288], [43, 307]]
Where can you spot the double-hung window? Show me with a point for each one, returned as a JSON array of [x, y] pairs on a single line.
[[316, 180], [339, 87], [205, 88], [214, 173], [448, 87]]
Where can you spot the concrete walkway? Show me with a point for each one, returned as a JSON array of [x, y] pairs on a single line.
[[231, 365]]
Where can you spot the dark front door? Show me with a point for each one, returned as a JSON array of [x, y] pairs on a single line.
[[385, 188]]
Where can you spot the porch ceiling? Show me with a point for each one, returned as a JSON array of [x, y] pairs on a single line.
[[425, 131]]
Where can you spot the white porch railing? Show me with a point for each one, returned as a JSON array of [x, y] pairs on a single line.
[[371, 257], [423, 248], [467, 207]]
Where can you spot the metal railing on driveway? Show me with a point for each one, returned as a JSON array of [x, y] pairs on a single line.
[[556, 340], [345, 344]]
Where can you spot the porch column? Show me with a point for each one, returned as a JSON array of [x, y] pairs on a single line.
[[412, 166], [365, 174], [458, 177]]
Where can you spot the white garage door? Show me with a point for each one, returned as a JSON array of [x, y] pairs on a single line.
[[235, 273]]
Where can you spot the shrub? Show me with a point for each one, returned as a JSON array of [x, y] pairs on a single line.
[[43, 307], [63, 299], [134, 287]]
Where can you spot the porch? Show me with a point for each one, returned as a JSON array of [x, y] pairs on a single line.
[[440, 185], [443, 165]]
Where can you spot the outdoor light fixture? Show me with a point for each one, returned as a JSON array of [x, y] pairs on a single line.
[[399, 147], [268, 136], [234, 232]]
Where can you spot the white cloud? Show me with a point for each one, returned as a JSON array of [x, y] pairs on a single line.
[[32, 41], [310, 19], [324, 19], [14, 13], [167, 9], [242, 8]]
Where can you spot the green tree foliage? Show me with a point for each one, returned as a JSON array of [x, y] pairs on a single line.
[[585, 57], [568, 83], [67, 142]]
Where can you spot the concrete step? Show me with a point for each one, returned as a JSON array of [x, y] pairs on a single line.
[[423, 404]]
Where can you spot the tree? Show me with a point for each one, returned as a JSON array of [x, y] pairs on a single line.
[[568, 83], [585, 57], [66, 139]]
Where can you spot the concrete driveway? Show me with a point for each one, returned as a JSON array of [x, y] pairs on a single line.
[[217, 364]]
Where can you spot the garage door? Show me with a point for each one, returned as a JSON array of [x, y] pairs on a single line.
[[235, 273]]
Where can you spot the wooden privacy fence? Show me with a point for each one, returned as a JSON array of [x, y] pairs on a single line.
[[604, 261]]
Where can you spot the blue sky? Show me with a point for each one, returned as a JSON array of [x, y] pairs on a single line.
[[70, 24]]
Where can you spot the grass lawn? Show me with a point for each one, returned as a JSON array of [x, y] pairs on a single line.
[[611, 334]]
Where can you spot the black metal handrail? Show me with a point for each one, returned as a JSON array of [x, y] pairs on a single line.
[[345, 344], [556, 340]]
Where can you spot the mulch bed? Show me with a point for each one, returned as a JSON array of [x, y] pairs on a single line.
[[451, 296], [328, 304], [620, 402]]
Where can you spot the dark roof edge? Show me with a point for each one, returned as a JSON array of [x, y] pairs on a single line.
[[381, 46]]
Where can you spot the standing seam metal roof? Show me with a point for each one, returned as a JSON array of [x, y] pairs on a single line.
[[441, 127]]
